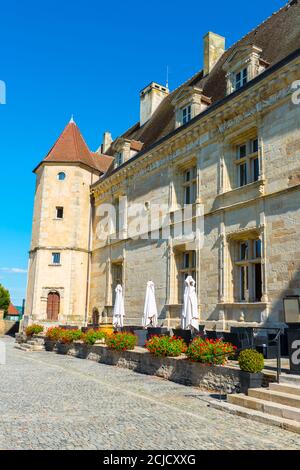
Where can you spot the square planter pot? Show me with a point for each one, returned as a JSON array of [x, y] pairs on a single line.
[[249, 380], [141, 337], [63, 348], [186, 335], [49, 345], [157, 331]]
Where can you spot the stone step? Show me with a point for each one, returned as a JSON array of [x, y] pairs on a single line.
[[259, 416], [275, 397], [290, 379], [285, 388], [264, 406], [29, 348]]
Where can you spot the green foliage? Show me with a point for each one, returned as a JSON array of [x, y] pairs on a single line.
[[4, 298], [34, 330], [166, 346], [251, 361], [121, 341], [68, 336], [91, 336], [64, 336], [53, 333], [210, 351]]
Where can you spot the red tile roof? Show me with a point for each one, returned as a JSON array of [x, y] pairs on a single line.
[[72, 148], [12, 310]]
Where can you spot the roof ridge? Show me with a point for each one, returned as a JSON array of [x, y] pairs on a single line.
[[258, 26]]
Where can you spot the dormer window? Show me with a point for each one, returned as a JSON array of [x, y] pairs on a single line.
[[186, 114], [188, 103], [242, 65], [241, 78]]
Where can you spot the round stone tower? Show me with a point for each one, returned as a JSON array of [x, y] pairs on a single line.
[[59, 260]]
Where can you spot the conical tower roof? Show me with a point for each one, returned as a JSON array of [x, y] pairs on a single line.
[[71, 147]]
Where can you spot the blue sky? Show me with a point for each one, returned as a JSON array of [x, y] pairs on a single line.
[[89, 58]]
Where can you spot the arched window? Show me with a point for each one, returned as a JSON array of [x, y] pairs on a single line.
[[61, 176], [53, 306]]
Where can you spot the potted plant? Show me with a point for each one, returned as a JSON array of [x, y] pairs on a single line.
[[33, 330], [251, 364], [52, 336]]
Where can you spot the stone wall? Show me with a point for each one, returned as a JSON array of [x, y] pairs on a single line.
[[180, 370]]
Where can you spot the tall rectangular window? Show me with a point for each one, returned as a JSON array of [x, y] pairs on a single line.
[[190, 186], [247, 273], [55, 258], [118, 158], [59, 212], [186, 114], [188, 268], [247, 162], [241, 78]]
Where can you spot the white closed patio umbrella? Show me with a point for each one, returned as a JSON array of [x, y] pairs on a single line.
[[119, 311], [150, 308], [190, 316]]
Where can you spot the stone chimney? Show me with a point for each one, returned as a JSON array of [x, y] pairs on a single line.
[[214, 48], [106, 142], [150, 99]]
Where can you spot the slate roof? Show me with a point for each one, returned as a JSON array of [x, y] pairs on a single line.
[[278, 36]]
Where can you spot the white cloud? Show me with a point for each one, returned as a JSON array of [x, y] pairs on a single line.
[[14, 270]]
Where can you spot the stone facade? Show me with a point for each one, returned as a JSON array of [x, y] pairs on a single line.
[[68, 236], [266, 210]]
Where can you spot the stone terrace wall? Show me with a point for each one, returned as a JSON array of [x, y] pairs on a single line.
[[213, 378]]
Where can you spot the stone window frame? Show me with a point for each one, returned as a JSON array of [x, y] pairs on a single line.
[[230, 160], [186, 114], [119, 159], [182, 270], [246, 293], [189, 184], [56, 255], [247, 161], [245, 57], [241, 78]]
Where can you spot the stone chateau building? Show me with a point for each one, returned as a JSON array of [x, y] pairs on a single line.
[[227, 144]]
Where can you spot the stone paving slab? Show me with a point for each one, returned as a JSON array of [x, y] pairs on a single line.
[[48, 401]]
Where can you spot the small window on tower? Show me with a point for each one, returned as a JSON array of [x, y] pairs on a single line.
[[55, 258], [61, 176], [59, 212]]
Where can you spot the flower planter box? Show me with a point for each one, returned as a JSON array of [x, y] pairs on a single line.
[[249, 380], [141, 337]]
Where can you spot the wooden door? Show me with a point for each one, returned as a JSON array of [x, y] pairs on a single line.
[[53, 304]]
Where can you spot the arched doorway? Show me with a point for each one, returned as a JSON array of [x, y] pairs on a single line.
[[96, 317], [53, 304]]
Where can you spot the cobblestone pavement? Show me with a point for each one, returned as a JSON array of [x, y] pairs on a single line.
[[49, 401]]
